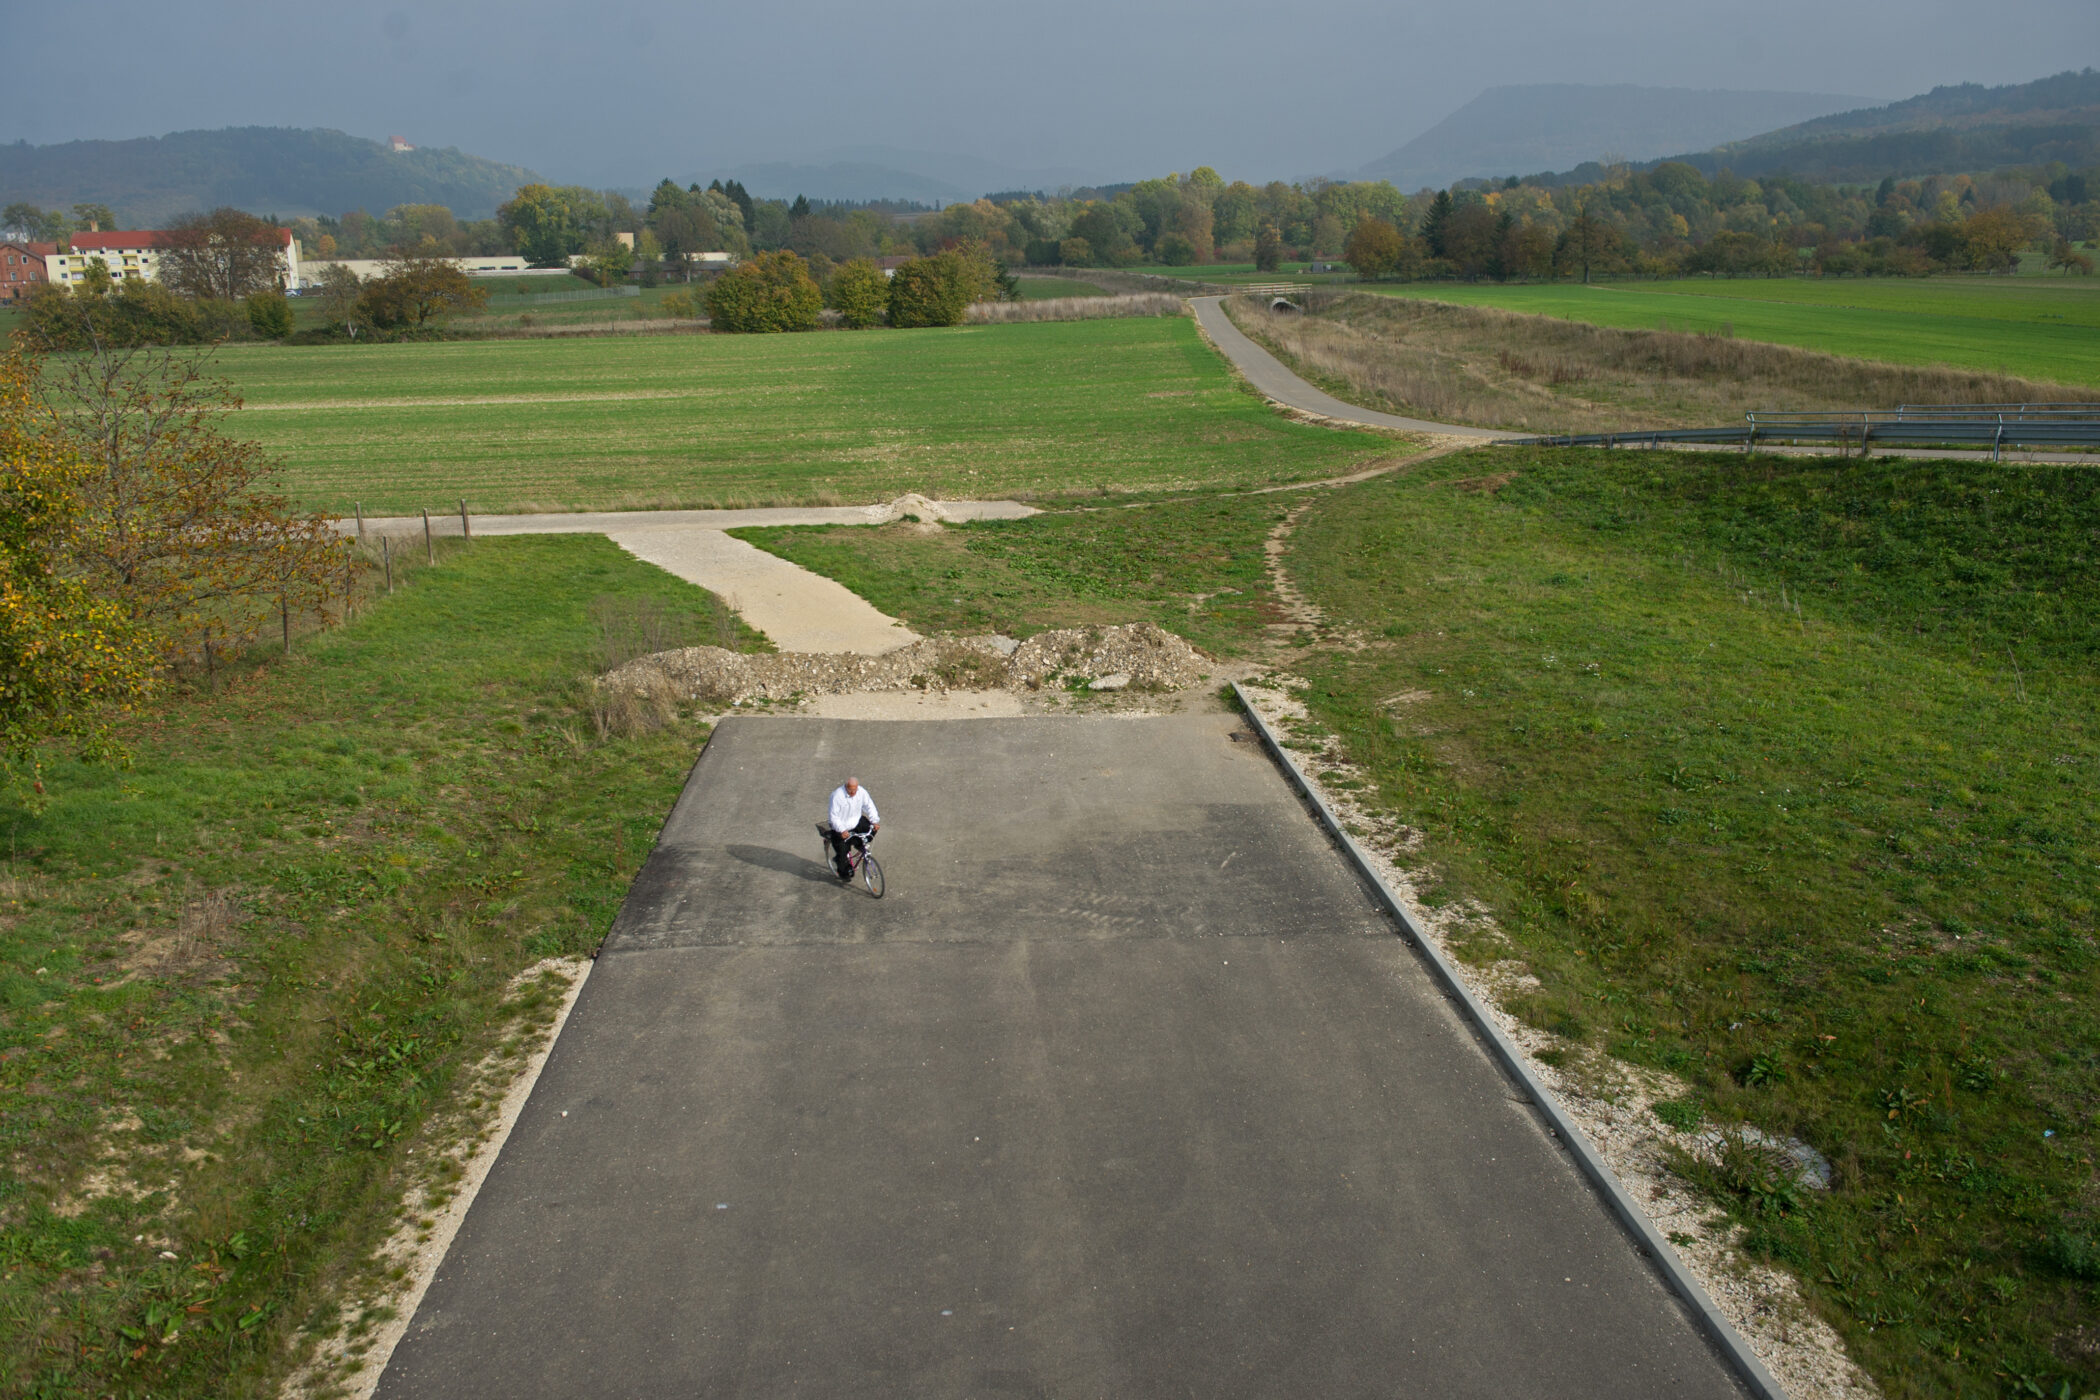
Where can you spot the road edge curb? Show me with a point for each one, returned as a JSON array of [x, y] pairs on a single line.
[[1660, 1253]]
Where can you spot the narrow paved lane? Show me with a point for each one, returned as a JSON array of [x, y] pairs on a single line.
[[1127, 1089], [1268, 374]]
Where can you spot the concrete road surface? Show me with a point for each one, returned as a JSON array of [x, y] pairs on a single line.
[[1126, 1089]]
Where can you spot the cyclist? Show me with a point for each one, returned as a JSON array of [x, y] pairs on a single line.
[[852, 814]]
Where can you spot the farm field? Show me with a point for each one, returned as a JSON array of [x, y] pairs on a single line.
[[2035, 328], [665, 421]]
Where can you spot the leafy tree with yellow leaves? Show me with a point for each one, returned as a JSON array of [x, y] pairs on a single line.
[[69, 659]]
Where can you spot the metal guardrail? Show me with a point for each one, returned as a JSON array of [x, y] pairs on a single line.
[[1996, 426]]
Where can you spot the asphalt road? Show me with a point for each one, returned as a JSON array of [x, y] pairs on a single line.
[[1126, 1089]]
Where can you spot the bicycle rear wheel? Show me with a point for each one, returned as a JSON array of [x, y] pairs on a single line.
[[871, 875]]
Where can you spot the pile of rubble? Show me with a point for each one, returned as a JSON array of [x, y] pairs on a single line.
[[1140, 656]]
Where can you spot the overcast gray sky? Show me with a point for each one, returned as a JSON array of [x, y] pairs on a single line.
[[620, 94]]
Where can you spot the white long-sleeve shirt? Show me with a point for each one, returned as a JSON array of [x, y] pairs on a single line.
[[848, 809]]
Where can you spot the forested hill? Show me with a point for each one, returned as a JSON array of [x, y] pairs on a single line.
[[270, 170], [1947, 130], [1551, 126]]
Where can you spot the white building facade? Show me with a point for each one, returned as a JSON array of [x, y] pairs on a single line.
[[137, 253]]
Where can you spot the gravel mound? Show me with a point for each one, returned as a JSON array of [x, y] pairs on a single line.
[[1151, 658]]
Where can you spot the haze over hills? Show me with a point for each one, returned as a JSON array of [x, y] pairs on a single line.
[[1944, 131], [1551, 126], [269, 170]]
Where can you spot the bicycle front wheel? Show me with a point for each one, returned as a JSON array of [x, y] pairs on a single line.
[[871, 875]]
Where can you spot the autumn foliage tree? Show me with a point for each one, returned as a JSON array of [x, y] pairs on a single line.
[[413, 290], [69, 658], [225, 255], [1374, 249], [176, 524]]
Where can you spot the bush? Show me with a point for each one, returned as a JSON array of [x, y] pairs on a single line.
[[270, 313], [1175, 250], [770, 292], [1075, 252], [132, 314], [933, 291], [858, 293]]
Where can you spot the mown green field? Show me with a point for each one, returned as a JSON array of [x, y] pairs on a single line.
[[2039, 328], [699, 420]]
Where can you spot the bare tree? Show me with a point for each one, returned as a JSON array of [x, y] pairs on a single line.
[[222, 256]]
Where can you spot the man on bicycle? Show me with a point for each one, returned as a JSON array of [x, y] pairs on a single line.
[[852, 814]]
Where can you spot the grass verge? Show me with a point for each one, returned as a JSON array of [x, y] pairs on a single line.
[[1780, 778], [1196, 567], [235, 976]]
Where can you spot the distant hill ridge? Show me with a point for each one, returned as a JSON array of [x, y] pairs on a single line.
[[1945, 131], [287, 171], [1551, 126]]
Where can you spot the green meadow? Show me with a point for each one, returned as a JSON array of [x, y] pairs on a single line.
[[2037, 328], [704, 420], [1779, 779]]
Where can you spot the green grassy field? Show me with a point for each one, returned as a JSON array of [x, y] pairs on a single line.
[[1195, 567], [2035, 327], [1055, 288], [1834, 866], [1138, 404], [235, 976]]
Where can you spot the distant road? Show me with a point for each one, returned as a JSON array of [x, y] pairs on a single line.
[[1267, 373]]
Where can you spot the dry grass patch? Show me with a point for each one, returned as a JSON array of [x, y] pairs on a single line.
[[1505, 369]]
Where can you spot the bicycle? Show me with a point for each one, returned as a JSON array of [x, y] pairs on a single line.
[[859, 860]]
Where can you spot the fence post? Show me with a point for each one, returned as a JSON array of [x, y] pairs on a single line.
[[386, 557], [1998, 438], [360, 522], [284, 615], [465, 529], [1750, 437], [429, 547]]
